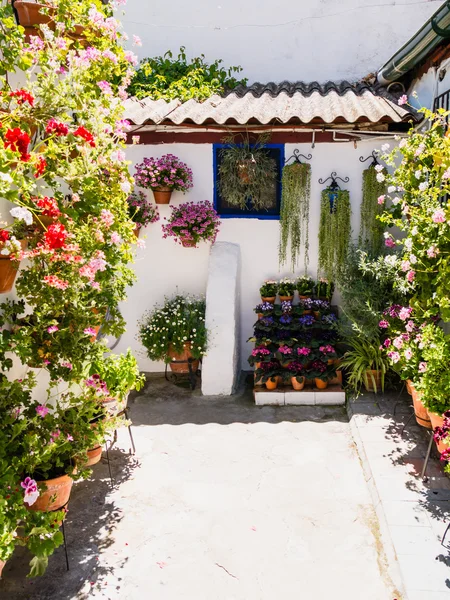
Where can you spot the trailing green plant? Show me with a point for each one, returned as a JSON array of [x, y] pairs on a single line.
[[180, 321], [247, 173], [165, 77], [294, 212], [365, 355], [334, 232], [371, 228], [324, 288]]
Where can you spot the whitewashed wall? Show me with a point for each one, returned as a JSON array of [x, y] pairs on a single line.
[[309, 40], [163, 266], [428, 86]]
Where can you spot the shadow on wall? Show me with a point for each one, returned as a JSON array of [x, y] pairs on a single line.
[[91, 512]]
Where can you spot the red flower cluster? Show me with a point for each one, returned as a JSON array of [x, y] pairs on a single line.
[[40, 166], [86, 135], [48, 205], [18, 141], [53, 126], [55, 236], [4, 235], [22, 96]]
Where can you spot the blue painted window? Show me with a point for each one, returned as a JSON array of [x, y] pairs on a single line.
[[276, 151]]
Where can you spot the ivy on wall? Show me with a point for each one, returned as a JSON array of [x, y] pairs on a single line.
[[371, 229], [334, 232], [294, 213]]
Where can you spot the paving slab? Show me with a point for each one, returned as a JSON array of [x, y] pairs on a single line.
[[413, 513], [224, 500]]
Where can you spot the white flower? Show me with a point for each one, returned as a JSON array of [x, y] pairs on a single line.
[[125, 186], [423, 186], [391, 189], [380, 177], [378, 168], [396, 200], [408, 243], [385, 147], [412, 259], [31, 497], [418, 174], [22, 214], [386, 235], [391, 260], [403, 143], [6, 177], [414, 231]]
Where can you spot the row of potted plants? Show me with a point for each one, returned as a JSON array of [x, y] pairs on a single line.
[[295, 343], [305, 286]]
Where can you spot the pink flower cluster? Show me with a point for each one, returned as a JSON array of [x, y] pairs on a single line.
[[192, 222], [167, 171], [304, 351], [260, 351], [327, 349], [141, 211]]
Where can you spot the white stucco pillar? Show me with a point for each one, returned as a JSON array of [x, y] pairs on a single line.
[[221, 363]]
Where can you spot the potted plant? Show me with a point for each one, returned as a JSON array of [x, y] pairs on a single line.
[[141, 211], [286, 289], [305, 287], [163, 176], [13, 241], [247, 173], [324, 289], [366, 363], [297, 374], [321, 372], [269, 373], [191, 223], [176, 333], [306, 305], [264, 309], [268, 291]]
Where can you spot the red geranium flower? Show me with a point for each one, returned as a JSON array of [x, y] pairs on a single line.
[[40, 166], [22, 96], [55, 236], [4, 235], [48, 205], [56, 127], [86, 135], [18, 141]]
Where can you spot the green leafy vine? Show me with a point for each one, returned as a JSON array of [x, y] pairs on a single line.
[[371, 229], [294, 213], [334, 232]]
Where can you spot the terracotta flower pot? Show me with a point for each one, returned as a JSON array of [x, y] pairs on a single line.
[[188, 244], [42, 221], [307, 312], [184, 355], [271, 384], [8, 270], [438, 421], [94, 456], [137, 231], [377, 377], [409, 383], [320, 384], [421, 413], [29, 15], [296, 385], [2, 564], [304, 297], [54, 494], [316, 314], [286, 298], [162, 195], [269, 299]]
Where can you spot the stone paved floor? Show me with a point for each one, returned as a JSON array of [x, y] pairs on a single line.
[[224, 501], [413, 514]]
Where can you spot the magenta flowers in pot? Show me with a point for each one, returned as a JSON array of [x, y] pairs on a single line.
[[163, 176], [141, 211], [191, 223]]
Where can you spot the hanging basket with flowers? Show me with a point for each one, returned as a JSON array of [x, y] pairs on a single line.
[[191, 223], [163, 176], [141, 211]]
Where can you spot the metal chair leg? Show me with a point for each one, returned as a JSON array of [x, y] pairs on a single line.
[[443, 537], [427, 458], [65, 545], [406, 423], [109, 464], [125, 412]]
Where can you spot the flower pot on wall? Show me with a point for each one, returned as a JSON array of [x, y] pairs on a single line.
[[137, 231], [162, 195], [54, 494], [286, 298], [320, 384], [188, 244], [269, 299], [296, 385], [94, 456], [271, 384], [421, 413], [184, 355], [8, 270], [29, 15], [377, 377]]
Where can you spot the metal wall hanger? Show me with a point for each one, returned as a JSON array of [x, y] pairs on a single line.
[[373, 156], [296, 156], [334, 184]]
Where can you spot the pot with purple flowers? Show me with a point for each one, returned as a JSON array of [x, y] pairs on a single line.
[[320, 307], [191, 223], [141, 211], [269, 374], [284, 354], [163, 176], [307, 305], [264, 309], [297, 373], [320, 372], [268, 291], [286, 290]]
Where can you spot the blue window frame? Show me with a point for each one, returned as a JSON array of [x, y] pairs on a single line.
[[232, 212]]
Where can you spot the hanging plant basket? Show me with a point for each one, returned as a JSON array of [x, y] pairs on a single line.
[[371, 229], [334, 232], [162, 195], [29, 14], [8, 270]]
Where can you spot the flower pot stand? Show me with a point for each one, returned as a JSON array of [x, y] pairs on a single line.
[[108, 446], [192, 372]]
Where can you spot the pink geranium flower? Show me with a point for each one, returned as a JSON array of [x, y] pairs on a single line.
[[31, 491], [438, 216], [41, 410]]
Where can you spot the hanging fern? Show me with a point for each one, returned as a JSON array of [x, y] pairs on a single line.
[[294, 212], [371, 229], [247, 172], [334, 232]]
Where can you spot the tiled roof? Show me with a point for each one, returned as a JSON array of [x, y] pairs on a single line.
[[272, 103]]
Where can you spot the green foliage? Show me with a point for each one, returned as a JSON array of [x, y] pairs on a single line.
[[286, 287], [435, 381], [371, 228], [247, 173], [180, 321], [269, 289], [334, 232], [171, 78], [305, 286], [365, 355], [294, 212], [120, 373], [324, 288]]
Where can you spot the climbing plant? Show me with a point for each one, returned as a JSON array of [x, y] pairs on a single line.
[[371, 229], [294, 212], [247, 173], [334, 232]]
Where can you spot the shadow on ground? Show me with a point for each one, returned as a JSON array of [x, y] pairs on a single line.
[[90, 525]]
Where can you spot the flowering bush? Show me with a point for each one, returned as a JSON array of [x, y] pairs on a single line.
[[180, 321], [140, 210], [165, 172], [265, 308], [192, 222]]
